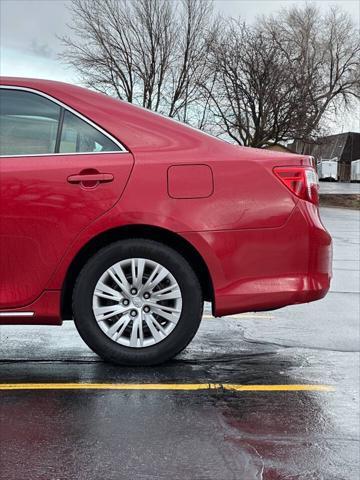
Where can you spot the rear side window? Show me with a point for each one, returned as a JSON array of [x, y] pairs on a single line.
[[31, 124], [28, 123], [79, 136]]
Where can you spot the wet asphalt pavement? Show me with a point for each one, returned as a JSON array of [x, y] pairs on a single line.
[[207, 434]]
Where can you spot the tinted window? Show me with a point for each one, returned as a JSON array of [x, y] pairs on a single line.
[[28, 123], [79, 136]]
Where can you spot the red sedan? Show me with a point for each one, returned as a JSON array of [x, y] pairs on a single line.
[[127, 221]]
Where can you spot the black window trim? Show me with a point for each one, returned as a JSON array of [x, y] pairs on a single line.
[[59, 130], [63, 108]]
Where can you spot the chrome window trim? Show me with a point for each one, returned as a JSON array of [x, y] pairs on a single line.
[[16, 314], [61, 154], [79, 115]]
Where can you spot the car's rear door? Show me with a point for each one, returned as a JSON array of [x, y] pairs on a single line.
[[58, 173]]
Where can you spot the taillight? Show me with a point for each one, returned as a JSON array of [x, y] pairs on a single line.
[[301, 181]]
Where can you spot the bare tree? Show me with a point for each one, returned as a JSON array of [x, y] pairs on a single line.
[[150, 52], [269, 82], [324, 51], [253, 101], [276, 80]]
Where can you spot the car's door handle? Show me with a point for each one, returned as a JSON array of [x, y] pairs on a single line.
[[91, 177]]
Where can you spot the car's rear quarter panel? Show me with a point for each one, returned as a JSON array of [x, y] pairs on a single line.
[[238, 229]]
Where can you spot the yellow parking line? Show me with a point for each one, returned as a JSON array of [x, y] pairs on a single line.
[[280, 388], [165, 386]]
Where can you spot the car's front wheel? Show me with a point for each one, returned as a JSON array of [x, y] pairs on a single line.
[[137, 302]]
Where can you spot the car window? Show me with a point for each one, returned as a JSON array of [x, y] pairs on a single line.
[[79, 136], [28, 123]]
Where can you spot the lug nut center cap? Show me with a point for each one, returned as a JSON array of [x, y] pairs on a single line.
[[137, 302]]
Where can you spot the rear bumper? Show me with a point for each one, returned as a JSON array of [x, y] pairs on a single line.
[[272, 293], [265, 269]]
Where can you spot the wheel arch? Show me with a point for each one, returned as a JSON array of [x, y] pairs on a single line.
[[162, 235]]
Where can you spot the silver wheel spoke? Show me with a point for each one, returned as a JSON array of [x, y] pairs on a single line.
[[108, 309], [105, 291], [152, 276], [163, 307], [141, 329], [125, 324], [154, 331], [169, 293], [166, 315], [134, 332], [100, 316], [158, 326], [118, 276], [115, 327], [105, 295], [162, 273], [137, 270]]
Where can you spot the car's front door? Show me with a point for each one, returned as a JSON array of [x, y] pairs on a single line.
[[58, 173]]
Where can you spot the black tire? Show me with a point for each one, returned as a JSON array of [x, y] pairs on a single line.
[[176, 341]]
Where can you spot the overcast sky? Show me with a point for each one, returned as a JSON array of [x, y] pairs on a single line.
[[29, 28]]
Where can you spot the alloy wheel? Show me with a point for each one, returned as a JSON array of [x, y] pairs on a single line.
[[137, 302]]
